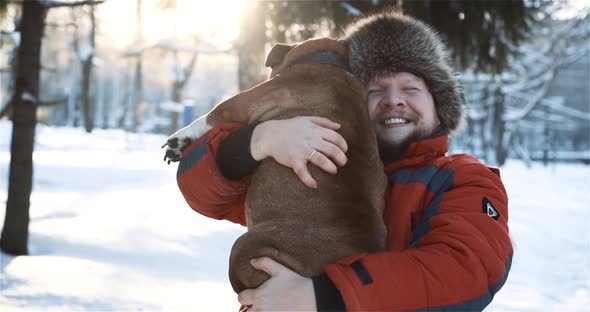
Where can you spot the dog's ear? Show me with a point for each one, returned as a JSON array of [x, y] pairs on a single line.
[[277, 54]]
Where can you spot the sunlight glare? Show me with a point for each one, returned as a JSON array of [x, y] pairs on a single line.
[[574, 8], [217, 22], [213, 20]]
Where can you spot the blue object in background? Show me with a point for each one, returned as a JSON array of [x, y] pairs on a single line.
[[188, 115]]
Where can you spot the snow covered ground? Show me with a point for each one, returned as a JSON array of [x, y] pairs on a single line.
[[110, 231]]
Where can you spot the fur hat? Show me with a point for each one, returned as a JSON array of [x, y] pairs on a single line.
[[390, 42]]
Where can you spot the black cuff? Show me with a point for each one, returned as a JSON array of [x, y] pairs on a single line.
[[327, 296], [233, 156]]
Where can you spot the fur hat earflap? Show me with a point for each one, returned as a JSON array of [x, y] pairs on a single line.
[[390, 42]]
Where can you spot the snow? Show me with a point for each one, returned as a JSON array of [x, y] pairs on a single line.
[[87, 54], [110, 231], [172, 106], [26, 96], [16, 38]]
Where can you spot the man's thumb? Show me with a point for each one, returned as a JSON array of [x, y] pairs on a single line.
[[266, 264]]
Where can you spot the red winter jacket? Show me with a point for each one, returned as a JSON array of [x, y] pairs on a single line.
[[448, 245]]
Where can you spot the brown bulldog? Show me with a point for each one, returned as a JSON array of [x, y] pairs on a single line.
[[304, 228]]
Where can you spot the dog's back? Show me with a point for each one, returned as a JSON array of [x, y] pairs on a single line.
[[300, 227]]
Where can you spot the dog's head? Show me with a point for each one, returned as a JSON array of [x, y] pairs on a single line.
[[282, 56], [241, 108]]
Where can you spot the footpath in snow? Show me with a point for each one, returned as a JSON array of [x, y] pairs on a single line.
[[110, 231]]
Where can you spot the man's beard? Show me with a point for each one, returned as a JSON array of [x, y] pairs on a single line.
[[390, 152]]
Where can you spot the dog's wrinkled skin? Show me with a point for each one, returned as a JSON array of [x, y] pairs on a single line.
[[300, 227]]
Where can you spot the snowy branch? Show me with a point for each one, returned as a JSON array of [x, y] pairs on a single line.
[[14, 35], [135, 51], [175, 46], [53, 102], [531, 82], [59, 4], [75, 37], [573, 56], [531, 101], [565, 110], [474, 115], [558, 53], [177, 74], [350, 9], [58, 25], [544, 117], [539, 125], [172, 106], [97, 62], [85, 56], [28, 97], [170, 45], [188, 70]]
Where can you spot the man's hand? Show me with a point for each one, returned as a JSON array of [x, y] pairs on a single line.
[[285, 290]]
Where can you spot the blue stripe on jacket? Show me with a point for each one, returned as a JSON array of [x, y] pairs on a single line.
[[437, 181], [193, 157], [478, 303]]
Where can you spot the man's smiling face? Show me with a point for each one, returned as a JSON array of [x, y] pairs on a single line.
[[402, 109]]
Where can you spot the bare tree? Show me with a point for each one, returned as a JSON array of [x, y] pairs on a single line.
[[138, 81], [15, 233], [87, 62], [505, 102], [86, 59], [180, 77]]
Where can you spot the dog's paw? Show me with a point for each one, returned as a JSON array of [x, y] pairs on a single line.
[[181, 139], [174, 148]]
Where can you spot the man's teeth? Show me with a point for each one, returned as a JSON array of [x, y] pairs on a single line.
[[395, 121]]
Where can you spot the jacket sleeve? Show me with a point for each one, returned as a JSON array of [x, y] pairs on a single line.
[[460, 253], [202, 184]]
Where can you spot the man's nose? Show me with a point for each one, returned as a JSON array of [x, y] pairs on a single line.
[[392, 99]]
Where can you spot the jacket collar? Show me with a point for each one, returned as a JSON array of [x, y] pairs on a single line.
[[422, 151]]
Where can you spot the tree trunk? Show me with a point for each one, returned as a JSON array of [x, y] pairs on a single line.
[[125, 103], [15, 232], [251, 45], [87, 74], [546, 137], [180, 80], [176, 98], [137, 92], [500, 142], [138, 82], [72, 96], [86, 103]]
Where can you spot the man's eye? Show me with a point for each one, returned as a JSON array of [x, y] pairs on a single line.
[[411, 89], [376, 91]]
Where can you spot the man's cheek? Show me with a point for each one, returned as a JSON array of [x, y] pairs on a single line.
[[372, 109]]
